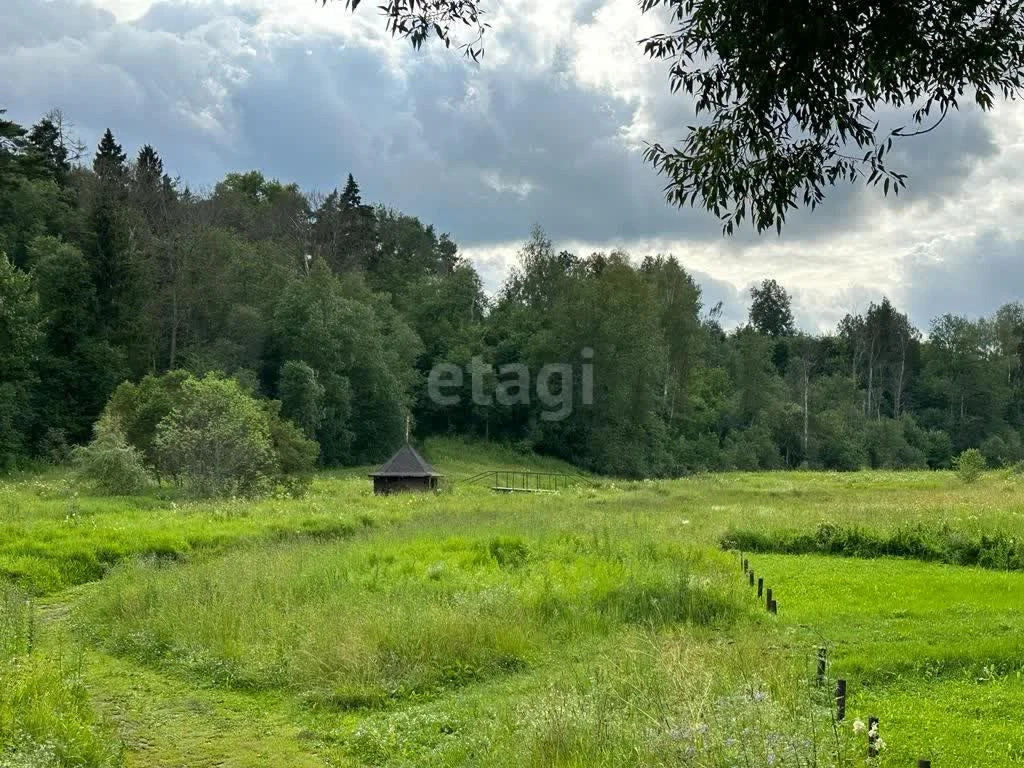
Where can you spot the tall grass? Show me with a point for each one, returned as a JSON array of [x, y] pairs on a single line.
[[46, 718], [679, 699], [358, 625], [598, 626], [52, 537]]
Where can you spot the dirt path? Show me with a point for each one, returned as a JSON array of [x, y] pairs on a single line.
[[165, 722]]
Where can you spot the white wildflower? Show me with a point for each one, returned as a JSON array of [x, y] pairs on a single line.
[[859, 727]]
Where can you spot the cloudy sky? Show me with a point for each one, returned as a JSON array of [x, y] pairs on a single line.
[[547, 130]]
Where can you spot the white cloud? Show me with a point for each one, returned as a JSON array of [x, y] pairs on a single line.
[[521, 188]]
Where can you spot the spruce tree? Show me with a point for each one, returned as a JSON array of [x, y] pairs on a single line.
[[149, 168], [12, 152], [350, 198], [109, 161], [46, 142]]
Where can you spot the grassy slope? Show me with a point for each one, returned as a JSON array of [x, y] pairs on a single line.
[[913, 637]]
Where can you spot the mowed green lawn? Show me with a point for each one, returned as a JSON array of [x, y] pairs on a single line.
[[935, 651], [598, 626]]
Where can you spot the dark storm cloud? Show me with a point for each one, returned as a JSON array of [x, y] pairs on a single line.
[[537, 148]]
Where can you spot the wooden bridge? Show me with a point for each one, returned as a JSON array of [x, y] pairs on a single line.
[[525, 481]]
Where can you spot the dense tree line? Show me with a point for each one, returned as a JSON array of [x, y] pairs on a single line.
[[339, 311]]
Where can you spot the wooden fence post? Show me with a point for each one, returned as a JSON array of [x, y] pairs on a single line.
[[30, 613], [773, 607], [924, 763], [760, 587], [840, 699], [768, 599], [746, 565], [872, 736], [751, 575]]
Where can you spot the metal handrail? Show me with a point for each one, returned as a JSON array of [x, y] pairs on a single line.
[[531, 480]]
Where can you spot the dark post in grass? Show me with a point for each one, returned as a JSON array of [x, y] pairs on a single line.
[[872, 736], [773, 607], [768, 599], [924, 764], [840, 699], [751, 575], [31, 628], [746, 565], [822, 657], [760, 587]]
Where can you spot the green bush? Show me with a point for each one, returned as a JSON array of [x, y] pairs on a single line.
[[302, 396], [217, 441], [209, 436], [944, 544], [1002, 450], [969, 465], [135, 410], [296, 453], [110, 465]]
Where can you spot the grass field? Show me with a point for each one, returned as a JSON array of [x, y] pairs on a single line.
[[602, 626]]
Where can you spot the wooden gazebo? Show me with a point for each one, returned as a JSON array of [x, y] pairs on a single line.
[[405, 471]]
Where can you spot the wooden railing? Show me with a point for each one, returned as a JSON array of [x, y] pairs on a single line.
[[526, 481]]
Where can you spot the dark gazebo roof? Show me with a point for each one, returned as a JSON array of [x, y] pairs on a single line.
[[406, 463]]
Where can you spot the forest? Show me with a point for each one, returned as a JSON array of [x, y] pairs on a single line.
[[337, 310]]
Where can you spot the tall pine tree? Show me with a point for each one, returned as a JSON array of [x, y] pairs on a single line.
[[110, 158], [345, 229], [46, 142]]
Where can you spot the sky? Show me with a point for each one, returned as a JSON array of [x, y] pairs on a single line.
[[548, 130]]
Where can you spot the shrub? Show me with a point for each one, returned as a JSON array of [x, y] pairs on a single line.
[[210, 436], [135, 410], [1002, 450], [509, 551], [302, 396], [217, 441], [944, 544], [969, 465], [110, 465], [53, 446], [296, 453]]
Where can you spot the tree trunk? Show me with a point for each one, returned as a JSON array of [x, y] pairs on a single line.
[[897, 404], [871, 377], [806, 417], [174, 328]]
